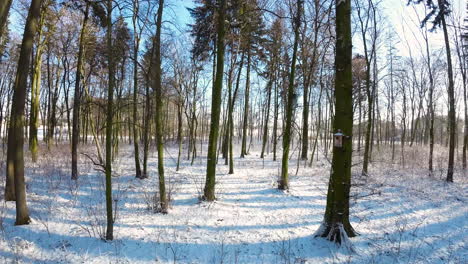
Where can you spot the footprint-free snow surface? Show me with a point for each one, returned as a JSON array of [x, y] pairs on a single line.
[[401, 214]]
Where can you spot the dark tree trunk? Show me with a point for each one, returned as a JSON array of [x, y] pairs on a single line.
[[451, 97], [284, 181], [135, 91], [15, 186], [209, 190], [77, 98], [336, 226], [109, 125], [4, 10], [246, 109]]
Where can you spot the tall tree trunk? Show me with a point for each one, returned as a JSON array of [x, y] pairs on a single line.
[[15, 188], [336, 226], [135, 91], [451, 97], [4, 10], [156, 72], [109, 125], [36, 91], [209, 190], [267, 116], [284, 181], [77, 97], [274, 135], [246, 108]]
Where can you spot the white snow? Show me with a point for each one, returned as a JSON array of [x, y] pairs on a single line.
[[401, 214]]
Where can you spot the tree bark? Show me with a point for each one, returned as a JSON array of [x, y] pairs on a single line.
[[156, 72], [336, 226], [209, 190], [109, 125], [15, 155], [451, 97], [135, 91], [77, 98], [284, 181], [246, 108], [4, 10]]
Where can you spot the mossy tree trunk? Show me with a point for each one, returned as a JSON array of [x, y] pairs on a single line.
[[336, 226], [284, 180], [36, 90], [15, 185], [156, 74], [209, 190]]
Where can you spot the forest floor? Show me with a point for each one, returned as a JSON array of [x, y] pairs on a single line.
[[401, 214]]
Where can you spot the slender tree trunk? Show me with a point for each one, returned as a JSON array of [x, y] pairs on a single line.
[[35, 91], [156, 72], [267, 116], [246, 109], [77, 97], [209, 190], [284, 181], [109, 125], [451, 97], [274, 135], [135, 91]]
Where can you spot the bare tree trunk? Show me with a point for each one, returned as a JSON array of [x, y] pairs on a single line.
[[4, 10], [156, 74], [15, 188], [284, 181], [451, 97], [209, 190], [336, 226], [246, 109], [77, 97], [109, 125], [135, 90]]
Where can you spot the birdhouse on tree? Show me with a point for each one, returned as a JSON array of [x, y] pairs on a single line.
[[338, 139]]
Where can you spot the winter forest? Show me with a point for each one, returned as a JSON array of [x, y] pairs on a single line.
[[233, 131]]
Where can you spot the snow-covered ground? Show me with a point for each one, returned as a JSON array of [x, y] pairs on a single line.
[[401, 214]]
